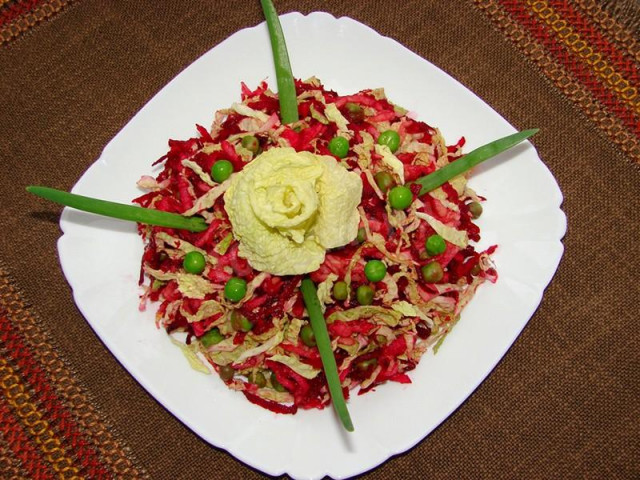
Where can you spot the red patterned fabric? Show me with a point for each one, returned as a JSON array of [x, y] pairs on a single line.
[[593, 59], [46, 420], [19, 16]]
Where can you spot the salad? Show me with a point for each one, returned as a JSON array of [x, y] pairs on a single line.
[[330, 197]]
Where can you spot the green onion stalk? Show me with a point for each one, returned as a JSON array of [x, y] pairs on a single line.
[[289, 114]]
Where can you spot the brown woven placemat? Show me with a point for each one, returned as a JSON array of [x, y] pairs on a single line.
[[561, 404]]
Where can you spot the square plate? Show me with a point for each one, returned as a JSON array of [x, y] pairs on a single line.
[[100, 257]]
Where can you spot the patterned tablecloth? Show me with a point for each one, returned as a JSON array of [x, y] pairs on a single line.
[[563, 403]]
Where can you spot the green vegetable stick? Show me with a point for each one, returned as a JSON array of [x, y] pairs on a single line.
[[311, 301], [471, 159], [289, 114], [121, 211], [284, 75]]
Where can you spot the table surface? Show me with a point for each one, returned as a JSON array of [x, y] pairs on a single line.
[[563, 402]]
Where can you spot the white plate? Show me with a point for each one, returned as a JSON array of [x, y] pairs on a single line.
[[101, 257]]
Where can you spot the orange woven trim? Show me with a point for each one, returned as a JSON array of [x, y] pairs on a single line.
[[49, 385], [538, 21], [615, 31], [19, 403], [575, 81], [32, 16], [5, 3], [15, 8], [10, 467], [34, 391], [603, 57]]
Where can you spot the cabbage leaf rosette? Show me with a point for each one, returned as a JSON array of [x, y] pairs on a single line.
[[287, 208]]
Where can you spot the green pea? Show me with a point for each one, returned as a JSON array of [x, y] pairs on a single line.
[[423, 330], [355, 113], [384, 180], [239, 322], [221, 170], [375, 270], [435, 245], [194, 262], [235, 289], [226, 372], [212, 337], [277, 386], [257, 378], [364, 295], [367, 364], [362, 235], [400, 197], [390, 138], [340, 290], [476, 269], [251, 143], [432, 272], [475, 209], [307, 336], [339, 146]]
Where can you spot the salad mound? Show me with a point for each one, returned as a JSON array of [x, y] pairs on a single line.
[[392, 288]]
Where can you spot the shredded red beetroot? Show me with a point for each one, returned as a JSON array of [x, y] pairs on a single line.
[[269, 405], [346, 329], [259, 339]]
